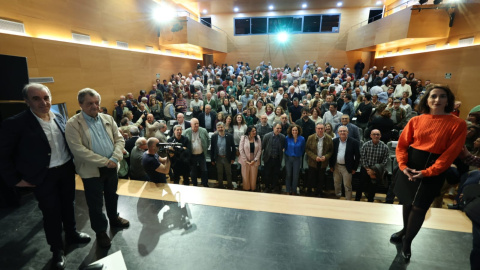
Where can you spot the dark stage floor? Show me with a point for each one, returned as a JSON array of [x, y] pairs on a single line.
[[160, 237]]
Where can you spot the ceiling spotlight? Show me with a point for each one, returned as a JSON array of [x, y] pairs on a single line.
[[204, 11], [304, 6], [235, 9], [164, 13], [339, 4], [379, 3], [282, 37], [270, 7]]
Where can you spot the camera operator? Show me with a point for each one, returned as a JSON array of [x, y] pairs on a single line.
[[155, 166], [181, 160]]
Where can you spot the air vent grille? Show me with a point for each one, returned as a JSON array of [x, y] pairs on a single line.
[[465, 41], [122, 44], [41, 80], [81, 38], [10, 26]]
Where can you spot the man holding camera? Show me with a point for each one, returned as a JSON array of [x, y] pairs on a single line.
[[155, 166], [181, 160]]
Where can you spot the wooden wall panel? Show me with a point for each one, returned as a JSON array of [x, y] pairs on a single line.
[[111, 72], [461, 62]]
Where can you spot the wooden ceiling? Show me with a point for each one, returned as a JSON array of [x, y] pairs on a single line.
[[247, 6]]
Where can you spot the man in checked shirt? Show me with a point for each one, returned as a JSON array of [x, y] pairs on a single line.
[[373, 158]]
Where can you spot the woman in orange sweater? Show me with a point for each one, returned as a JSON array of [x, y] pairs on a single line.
[[426, 148]]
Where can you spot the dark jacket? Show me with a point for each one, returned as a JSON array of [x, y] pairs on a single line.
[[308, 128], [267, 146], [187, 125], [230, 152], [201, 120], [352, 154], [182, 156], [25, 151]]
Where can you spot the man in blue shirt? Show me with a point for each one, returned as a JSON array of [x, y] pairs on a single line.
[[97, 147]]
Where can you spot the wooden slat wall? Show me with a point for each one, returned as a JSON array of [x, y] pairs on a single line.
[[110, 71], [74, 66]]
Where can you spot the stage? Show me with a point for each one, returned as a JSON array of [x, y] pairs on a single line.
[[186, 227]]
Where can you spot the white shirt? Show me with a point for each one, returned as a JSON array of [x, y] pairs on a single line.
[[59, 153], [400, 89], [196, 143], [320, 146], [342, 146]]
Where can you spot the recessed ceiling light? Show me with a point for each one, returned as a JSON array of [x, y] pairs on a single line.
[[339, 4], [379, 3], [235, 9], [270, 7], [205, 11], [304, 6]]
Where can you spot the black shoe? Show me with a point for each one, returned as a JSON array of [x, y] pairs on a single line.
[[77, 238], [397, 237], [406, 252], [103, 240], [406, 256], [58, 260], [95, 266], [267, 190], [119, 222]]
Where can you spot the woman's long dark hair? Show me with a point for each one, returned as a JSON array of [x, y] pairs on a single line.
[[249, 129]]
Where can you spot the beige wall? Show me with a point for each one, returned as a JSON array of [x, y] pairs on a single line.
[[462, 63], [300, 47], [110, 71]]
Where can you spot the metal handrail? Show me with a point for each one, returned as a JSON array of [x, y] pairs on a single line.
[[384, 12]]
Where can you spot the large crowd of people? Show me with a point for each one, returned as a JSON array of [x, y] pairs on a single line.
[[268, 123]]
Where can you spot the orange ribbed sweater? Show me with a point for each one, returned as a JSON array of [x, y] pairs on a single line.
[[438, 134]]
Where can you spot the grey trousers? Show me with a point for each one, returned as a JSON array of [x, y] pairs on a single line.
[[223, 165]]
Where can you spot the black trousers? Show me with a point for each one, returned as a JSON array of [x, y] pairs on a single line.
[[271, 172], [367, 186], [96, 188], [56, 200], [475, 254], [181, 169], [316, 178]]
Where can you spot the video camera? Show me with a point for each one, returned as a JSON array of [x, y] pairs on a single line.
[[169, 147]]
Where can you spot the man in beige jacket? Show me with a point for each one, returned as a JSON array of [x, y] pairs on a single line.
[[97, 146]]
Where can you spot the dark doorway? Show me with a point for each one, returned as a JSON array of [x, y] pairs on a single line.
[[375, 14], [206, 22]]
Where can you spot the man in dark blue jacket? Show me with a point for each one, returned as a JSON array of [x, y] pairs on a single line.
[[344, 161], [222, 154], [35, 154]]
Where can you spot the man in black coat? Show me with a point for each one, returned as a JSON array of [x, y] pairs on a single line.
[[313, 84], [207, 119], [35, 154], [344, 162], [307, 125], [222, 153], [130, 143], [180, 121], [181, 159]]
